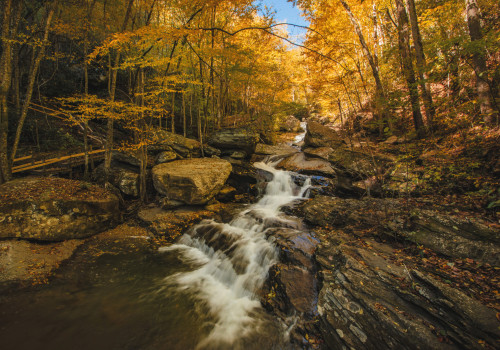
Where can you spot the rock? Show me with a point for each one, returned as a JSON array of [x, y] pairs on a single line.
[[166, 141], [211, 151], [321, 152], [167, 204], [446, 234], [290, 124], [24, 261], [191, 181], [299, 163], [454, 236], [226, 194], [172, 223], [122, 176], [369, 302], [392, 140], [359, 165], [279, 150], [55, 209], [244, 176], [128, 157], [318, 135], [296, 247], [165, 157], [238, 155], [235, 139]]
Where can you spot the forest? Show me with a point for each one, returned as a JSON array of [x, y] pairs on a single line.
[[367, 147]]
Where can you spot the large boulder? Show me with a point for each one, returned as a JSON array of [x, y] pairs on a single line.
[[235, 139], [191, 181], [290, 124], [185, 147], [318, 135], [123, 176], [55, 209], [299, 163]]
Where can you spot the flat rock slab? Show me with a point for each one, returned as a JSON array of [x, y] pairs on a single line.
[[191, 181], [172, 223], [278, 150], [320, 152], [23, 261], [55, 209], [299, 163]]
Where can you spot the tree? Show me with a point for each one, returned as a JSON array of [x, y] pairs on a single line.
[[10, 21], [35, 64], [380, 98], [483, 90], [407, 66], [421, 64]]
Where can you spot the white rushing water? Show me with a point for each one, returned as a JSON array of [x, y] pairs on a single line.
[[233, 260]]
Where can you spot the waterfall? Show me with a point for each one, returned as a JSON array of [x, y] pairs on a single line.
[[232, 260]]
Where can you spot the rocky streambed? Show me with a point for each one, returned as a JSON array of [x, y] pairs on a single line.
[[342, 269]]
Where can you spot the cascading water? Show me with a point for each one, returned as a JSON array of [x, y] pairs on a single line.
[[232, 261]]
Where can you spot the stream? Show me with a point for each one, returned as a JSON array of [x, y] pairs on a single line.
[[200, 293]]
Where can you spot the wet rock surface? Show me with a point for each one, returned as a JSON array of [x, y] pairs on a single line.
[[30, 263], [169, 224]]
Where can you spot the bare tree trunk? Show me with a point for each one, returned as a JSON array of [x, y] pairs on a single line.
[[86, 88], [112, 90], [408, 72], [479, 62], [6, 76], [173, 112], [380, 99], [31, 80], [10, 21], [184, 113], [430, 111], [143, 148]]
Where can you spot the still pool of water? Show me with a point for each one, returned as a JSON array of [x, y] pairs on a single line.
[[118, 302]]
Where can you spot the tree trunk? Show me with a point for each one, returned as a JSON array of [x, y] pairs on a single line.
[[380, 99], [143, 148], [31, 80], [112, 89], [408, 72], [173, 113], [10, 21], [6, 76], [430, 111], [479, 62], [184, 113]]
